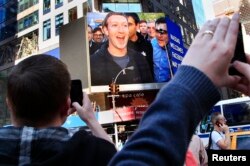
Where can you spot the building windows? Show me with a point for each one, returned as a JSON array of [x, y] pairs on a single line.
[[58, 3], [25, 4], [46, 6], [121, 6], [46, 30], [28, 21], [58, 23], [72, 14]]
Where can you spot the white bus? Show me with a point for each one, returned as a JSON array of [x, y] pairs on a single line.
[[237, 113]]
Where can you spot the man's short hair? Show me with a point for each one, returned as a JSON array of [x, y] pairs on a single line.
[[134, 16], [37, 87], [160, 20], [143, 21], [105, 21], [97, 29]]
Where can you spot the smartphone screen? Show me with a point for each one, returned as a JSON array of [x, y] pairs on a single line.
[[76, 94], [239, 53]]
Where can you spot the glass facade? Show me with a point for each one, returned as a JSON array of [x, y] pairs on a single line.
[[25, 4], [121, 6], [7, 31], [28, 21], [46, 30], [8, 12], [199, 12], [58, 22]]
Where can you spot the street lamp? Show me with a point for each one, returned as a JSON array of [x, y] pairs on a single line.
[[114, 88]]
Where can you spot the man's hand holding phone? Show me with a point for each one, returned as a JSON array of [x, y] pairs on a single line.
[[225, 128], [86, 112]]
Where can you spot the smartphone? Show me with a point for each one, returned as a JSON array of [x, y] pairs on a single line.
[[239, 53], [76, 94], [218, 124]]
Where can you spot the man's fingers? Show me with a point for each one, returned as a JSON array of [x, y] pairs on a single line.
[[221, 30], [248, 58], [77, 106], [233, 29], [71, 111], [243, 68]]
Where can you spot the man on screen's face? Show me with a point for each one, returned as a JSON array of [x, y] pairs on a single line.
[[161, 34], [132, 29], [118, 34], [151, 29]]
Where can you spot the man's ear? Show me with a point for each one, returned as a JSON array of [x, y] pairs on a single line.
[[138, 27], [105, 31], [65, 107]]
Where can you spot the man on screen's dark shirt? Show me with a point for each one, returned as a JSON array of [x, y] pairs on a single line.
[[104, 69]]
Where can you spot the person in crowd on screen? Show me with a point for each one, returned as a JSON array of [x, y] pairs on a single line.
[[187, 98], [198, 150], [97, 40], [219, 138], [38, 98], [151, 30], [114, 56], [136, 40], [161, 59], [90, 34], [143, 28]]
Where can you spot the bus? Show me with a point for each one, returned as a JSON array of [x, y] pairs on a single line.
[[237, 113]]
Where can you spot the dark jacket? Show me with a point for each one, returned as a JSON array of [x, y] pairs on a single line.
[[93, 47], [104, 69], [144, 47], [52, 146]]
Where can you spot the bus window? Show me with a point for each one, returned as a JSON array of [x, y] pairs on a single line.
[[206, 124], [243, 142], [237, 113]]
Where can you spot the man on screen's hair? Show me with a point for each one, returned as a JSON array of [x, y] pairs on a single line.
[[114, 56], [38, 98]]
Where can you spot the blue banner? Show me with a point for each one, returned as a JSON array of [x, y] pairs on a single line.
[[176, 50]]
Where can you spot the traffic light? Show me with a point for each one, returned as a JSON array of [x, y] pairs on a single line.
[[114, 88]]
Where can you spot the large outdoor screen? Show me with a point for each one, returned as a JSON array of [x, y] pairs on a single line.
[[112, 53]]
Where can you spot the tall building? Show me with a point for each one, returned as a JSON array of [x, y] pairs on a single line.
[[53, 15]]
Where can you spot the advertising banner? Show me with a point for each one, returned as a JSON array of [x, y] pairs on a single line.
[[176, 48]]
